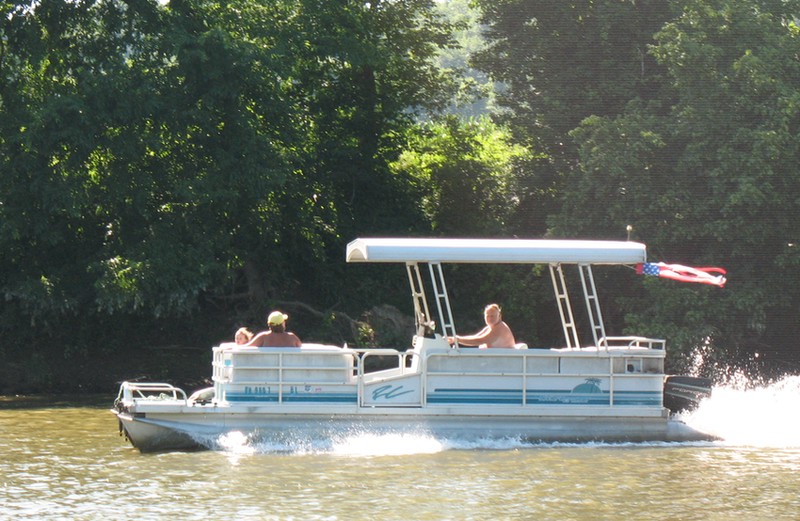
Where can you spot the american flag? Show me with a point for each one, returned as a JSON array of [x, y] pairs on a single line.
[[704, 275]]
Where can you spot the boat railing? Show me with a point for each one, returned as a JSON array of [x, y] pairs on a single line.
[[279, 374], [353, 376], [632, 342], [130, 391], [276, 373], [402, 364], [622, 374]]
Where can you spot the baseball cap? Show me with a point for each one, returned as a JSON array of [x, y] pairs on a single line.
[[276, 318]]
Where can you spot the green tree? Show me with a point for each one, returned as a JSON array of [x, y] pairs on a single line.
[[561, 61], [557, 63], [476, 92], [160, 159], [140, 155], [706, 174], [465, 176]]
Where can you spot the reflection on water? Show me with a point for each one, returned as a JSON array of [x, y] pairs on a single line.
[[69, 463]]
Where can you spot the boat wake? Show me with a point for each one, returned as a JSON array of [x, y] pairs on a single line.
[[376, 444], [742, 413], [739, 413], [356, 443]]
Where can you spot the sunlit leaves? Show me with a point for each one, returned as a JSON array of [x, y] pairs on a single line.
[[152, 153], [465, 175]]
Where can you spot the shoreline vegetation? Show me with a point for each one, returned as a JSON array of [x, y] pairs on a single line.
[[178, 352], [186, 367]]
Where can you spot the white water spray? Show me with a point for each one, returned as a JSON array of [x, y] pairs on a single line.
[[358, 443], [741, 413], [371, 444]]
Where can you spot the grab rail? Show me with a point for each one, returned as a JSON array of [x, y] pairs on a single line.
[[130, 391], [633, 342]]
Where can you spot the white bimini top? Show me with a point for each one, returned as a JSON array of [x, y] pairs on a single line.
[[495, 251]]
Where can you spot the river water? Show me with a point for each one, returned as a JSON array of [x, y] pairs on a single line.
[[66, 461]]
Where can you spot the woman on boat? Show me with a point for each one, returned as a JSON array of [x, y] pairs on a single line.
[[495, 334], [243, 336], [277, 336]]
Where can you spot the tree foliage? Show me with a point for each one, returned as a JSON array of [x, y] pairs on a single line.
[[562, 61], [201, 160], [465, 175], [678, 119], [175, 142], [160, 157], [706, 173]]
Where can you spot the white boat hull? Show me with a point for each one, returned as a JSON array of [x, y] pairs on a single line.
[[536, 395], [177, 431]]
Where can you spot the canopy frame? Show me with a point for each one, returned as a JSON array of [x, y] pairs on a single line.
[[554, 252]]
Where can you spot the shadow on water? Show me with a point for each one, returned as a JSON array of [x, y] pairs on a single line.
[[47, 401]]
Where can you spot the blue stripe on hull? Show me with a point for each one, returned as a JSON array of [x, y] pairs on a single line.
[[478, 397], [542, 397]]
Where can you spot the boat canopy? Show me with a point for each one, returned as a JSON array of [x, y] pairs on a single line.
[[495, 251]]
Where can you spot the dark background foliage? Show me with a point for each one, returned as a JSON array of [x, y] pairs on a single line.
[[171, 171]]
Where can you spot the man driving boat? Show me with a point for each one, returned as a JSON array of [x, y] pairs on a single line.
[[495, 334]]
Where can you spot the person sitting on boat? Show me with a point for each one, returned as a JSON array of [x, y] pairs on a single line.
[[495, 334], [277, 336], [243, 336]]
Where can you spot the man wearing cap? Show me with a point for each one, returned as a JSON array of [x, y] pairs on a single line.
[[277, 336]]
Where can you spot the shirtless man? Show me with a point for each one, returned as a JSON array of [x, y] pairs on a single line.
[[495, 334], [277, 336]]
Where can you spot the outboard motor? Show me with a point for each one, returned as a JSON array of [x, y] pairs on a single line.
[[684, 393]]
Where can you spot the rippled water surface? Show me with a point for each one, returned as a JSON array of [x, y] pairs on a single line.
[[68, 462]]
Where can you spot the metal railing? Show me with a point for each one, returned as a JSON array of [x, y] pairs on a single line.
[[632, 342], [356, 375], [286, 374], [130, 391]]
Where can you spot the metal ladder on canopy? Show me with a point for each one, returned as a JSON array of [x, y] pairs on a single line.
[[593, 305], [442, 301], [564, 306], [421, 313]]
